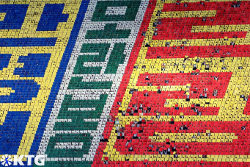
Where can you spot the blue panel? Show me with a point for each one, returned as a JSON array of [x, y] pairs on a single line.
[[14, 17], [12, 130], [16, 42], [34, 65], [52, 15], [4, 60], [59, 76], [24, 90]]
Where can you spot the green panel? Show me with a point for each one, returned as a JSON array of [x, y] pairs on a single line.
[[101, 7], [67, 164], [77, 83], [77, 116], [55, 152], [109, 32], [76, 124], [101, 49], [117, 57]]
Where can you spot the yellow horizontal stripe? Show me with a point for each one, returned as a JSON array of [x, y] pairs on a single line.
[[189, 1], [221, 28], [184, 103], [200, 42], [194, 137], [179, 14], [2, 15], [162, 88], [6, 91]]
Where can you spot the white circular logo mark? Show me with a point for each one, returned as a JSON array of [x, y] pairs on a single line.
[[6, 160]]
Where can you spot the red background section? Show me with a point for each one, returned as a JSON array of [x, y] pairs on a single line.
[[171, 29]]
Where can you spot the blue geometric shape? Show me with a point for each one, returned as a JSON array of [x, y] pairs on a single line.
[[59, 76], [16, 42], [51, 16], [12, 130], [14, 17], [24, 90], [4, 60], [34, 65]]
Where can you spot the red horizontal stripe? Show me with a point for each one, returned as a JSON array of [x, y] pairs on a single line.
[[237, 147], [198, 51]]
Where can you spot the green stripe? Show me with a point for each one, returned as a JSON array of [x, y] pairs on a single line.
[[77, 83]]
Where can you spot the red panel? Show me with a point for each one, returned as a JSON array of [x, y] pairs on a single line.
[[198, 51], [180, 28], [140, 146]]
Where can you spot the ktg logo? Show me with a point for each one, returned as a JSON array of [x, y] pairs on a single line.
[[8, 160]]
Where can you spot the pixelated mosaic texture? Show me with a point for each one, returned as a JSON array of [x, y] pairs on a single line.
[[37, 38], [184, 98], [125, 82]]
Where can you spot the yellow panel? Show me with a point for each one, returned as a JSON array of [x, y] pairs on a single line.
[[36, 105], [193, 137], [180, 14]]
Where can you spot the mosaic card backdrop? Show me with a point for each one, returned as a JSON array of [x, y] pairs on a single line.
[[37, 38], [125, 82]]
